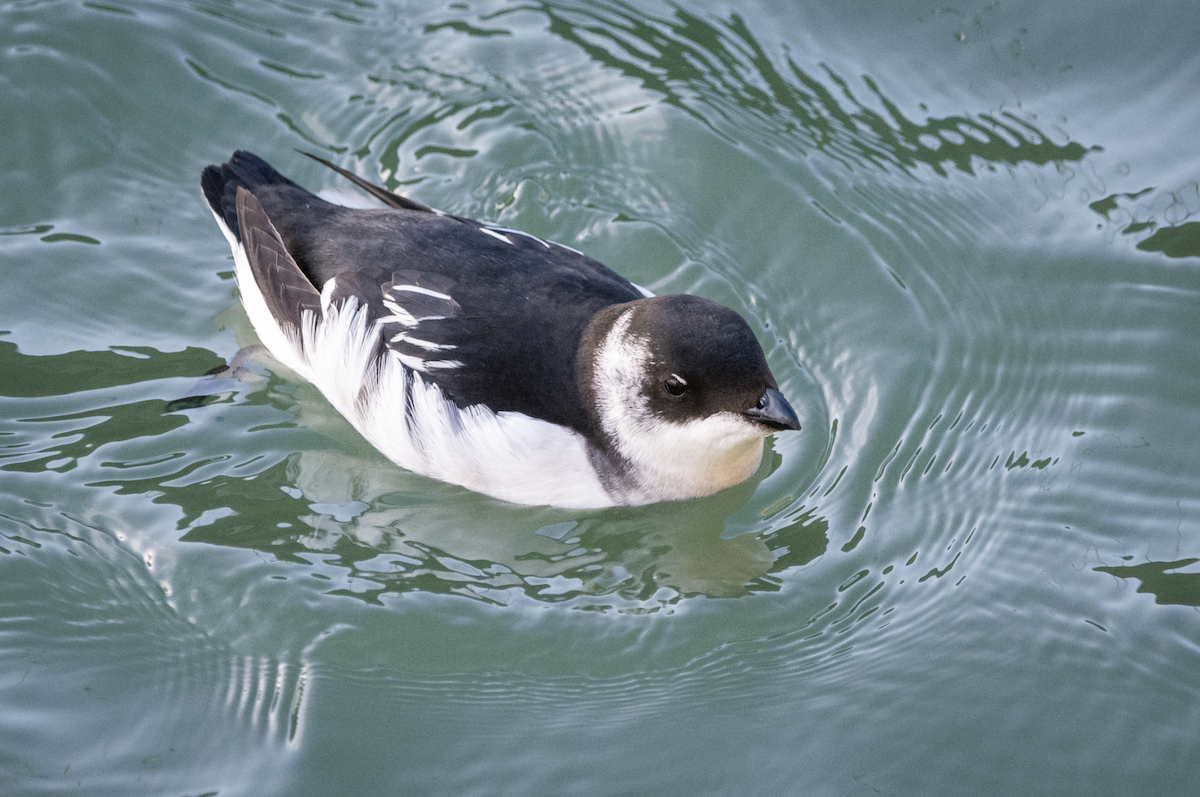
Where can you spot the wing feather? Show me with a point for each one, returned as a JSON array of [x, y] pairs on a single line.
[[287, 292]]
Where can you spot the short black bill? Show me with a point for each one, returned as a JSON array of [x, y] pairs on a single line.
[[774, 412]]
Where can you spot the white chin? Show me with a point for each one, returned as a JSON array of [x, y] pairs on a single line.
[[695, 458]]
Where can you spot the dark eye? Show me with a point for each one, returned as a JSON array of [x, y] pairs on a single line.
[[676, 385]]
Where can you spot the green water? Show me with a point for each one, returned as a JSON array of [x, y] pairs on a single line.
[[968, 238]]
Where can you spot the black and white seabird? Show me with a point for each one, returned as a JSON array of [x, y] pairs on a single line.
[[486, 357]]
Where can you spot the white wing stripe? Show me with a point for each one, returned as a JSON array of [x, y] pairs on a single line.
[[509, 230], [495, 234], [402, 337], [408, 361], [419, 289], [568, 248]]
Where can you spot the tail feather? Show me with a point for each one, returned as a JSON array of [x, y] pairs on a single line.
[[244, 170], [379, 192]]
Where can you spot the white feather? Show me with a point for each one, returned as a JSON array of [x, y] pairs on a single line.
[[496, 235], [348, 198], [570, 249], [494, 228], [399, 315], [327, 294], [404, 337], [419, 289]]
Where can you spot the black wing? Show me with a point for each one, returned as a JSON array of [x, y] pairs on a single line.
[[494, 316], [492, 322], [288, 293]]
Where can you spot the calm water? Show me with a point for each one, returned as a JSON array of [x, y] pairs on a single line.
[[968, 237]]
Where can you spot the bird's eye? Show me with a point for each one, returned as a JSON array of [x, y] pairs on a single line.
[[676, 385]]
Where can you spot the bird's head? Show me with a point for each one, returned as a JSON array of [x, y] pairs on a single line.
[[682, 392]]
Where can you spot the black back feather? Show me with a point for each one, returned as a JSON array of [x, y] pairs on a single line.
[[519, 305]]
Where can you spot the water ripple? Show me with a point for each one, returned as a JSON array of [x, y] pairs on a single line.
[[98, 601]]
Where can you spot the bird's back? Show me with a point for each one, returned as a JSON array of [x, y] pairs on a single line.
[[520, 304]]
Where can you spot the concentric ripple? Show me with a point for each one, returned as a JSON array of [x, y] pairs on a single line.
[[967, 238]]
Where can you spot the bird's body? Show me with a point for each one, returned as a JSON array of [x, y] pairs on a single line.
[[486, 357]]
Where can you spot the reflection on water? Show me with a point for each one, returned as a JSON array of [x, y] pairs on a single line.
[[713, 69], [1181, 241], [43, 230], [57, 441], [345, 508], [101, 676], [79, 371], [1162, 214], [718, 72], [1180, 589], [380, 531]]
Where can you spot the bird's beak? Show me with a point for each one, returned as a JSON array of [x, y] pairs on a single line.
[[774, 412]]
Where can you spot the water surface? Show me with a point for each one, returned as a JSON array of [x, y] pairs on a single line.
[[968, 237]]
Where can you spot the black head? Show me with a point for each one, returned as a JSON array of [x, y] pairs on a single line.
[[704, 359]]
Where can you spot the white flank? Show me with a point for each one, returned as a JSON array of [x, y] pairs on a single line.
[[508, 455], [671, 460], [281, 345]]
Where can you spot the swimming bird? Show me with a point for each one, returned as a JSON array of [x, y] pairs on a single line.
[[486, 357]]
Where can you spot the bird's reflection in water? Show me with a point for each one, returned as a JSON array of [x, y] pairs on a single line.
[[449, 540]]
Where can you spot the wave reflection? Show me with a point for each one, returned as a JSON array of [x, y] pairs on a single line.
[[368, 530], [716, 71], [110, 680]]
